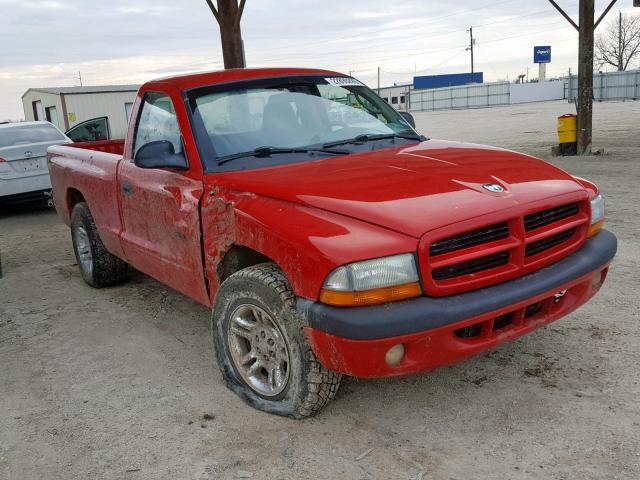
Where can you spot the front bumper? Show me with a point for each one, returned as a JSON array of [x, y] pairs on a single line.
[[440, 331]]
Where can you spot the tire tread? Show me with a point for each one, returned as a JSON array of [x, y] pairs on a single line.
[[321, 384], [107, 268]]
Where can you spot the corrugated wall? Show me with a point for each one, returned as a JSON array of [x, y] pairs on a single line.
[[81, 107], [611, 86], [48, 100], [468, 96]]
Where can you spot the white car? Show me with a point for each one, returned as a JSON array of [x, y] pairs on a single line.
[[23, 159]]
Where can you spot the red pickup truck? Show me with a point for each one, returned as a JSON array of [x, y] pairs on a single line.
[[325, 233]]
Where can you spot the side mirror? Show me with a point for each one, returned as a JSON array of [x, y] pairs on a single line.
[[408, 118], [160, 154]]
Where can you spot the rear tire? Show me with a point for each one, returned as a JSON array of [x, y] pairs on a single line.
[[98, 267], [261, 348]]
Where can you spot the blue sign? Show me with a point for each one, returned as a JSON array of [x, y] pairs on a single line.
[[542, 54], [447, 80]]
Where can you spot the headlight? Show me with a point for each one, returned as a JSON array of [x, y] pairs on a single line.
[[374, 281], [597, 215]]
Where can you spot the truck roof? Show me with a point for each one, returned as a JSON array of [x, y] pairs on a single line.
[[193, 80]]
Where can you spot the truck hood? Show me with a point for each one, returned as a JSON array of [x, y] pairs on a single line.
[[409, 189]]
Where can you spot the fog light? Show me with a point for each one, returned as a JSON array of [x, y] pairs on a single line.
[[597, 280], [394, 355]]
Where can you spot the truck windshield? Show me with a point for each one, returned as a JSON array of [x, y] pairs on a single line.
[[285, 114]]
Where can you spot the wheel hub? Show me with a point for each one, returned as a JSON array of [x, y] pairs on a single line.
[[83, 247], [258, 350]]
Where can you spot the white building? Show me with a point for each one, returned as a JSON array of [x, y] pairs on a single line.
[[397, 96], [67, 107]]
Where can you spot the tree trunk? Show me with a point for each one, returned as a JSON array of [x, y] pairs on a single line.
[[230, 34], [620, 59]]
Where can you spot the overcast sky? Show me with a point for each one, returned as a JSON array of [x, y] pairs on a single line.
[[46, 42]]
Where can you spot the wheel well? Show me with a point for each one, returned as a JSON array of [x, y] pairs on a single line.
[[73, 197], [238, 258]]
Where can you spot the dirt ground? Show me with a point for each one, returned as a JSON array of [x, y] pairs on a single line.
[[114, 383]]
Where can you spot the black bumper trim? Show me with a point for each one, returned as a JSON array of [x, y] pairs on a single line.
[[24, 197], [425, 313]]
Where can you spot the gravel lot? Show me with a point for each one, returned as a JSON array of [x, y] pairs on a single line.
[[114, 383]]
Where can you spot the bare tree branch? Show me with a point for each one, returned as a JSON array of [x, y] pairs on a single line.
[[213, 10], [619, 46], [241, 9]]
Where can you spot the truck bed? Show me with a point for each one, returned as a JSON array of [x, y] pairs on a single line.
[[87, 171], [107, 146]]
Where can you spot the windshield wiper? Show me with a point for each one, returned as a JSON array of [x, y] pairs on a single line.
[[369, 138], [267, 151]]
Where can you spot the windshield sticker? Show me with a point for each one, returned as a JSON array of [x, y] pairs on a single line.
[[344, 82]]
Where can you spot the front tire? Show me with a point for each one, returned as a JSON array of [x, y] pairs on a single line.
[[98, 267], [261, 349]]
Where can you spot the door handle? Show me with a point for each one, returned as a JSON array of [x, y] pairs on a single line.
[[127, 188]]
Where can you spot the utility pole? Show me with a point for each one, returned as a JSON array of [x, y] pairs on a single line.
[[472, 41], [585, 29], [585, 76], [378, 80]]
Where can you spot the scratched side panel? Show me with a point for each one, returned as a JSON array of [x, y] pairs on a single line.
[[93, 174], [305, 242]]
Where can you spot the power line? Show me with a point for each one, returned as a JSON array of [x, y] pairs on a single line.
[[414, 53], [432, 21], [369, 60], [433, 67]]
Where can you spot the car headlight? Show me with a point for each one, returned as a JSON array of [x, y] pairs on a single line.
[[369, 282], [597, 215]]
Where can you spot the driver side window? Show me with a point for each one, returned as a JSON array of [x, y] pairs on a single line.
[[157, 121]]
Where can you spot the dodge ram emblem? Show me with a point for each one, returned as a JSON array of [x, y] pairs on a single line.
[[493, 187]]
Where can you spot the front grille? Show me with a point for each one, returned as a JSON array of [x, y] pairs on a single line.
[[471, 331], [545, 217], [471, 266], [502, 321], [488, 234], [487, 329], [549, 242], [532, 309], [515, 245]]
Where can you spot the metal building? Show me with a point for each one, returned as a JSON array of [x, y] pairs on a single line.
[[397, 96], [67, 107]]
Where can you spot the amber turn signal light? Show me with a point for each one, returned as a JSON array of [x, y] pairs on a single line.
[[595, 228], [370, 297]]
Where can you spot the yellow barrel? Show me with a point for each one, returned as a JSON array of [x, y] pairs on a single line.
[[567, 129]]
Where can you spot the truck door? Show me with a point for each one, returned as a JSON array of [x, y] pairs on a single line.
[[160, 206]]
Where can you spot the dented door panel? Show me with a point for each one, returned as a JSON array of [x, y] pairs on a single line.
[[161, 227]]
